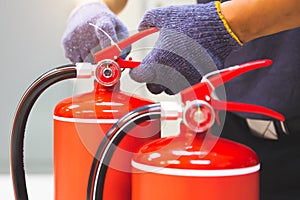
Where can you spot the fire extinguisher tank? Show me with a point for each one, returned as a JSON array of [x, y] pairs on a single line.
[[195, 166], [80, 124]]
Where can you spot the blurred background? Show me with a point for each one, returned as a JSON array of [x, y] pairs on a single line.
[[31, 45]]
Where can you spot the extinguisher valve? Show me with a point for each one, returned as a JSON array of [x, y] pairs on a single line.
[[107, 72], [198, 115]]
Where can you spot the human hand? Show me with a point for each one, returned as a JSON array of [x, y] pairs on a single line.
[[192, 41], [204, 1], [81, 39], [207, 1]]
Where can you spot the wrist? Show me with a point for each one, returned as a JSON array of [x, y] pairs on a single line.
[[87, 11], [116, 6], [237, 17], [82, 3], [220, 10]]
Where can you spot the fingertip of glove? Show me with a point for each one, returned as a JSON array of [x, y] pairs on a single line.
[[148, 21], [170, 92], [155, 88]]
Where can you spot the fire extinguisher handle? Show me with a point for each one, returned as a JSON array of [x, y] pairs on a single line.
[[205, 88], [247, 108], [127, 63], [235, 71], [214, 79], [113, 52]]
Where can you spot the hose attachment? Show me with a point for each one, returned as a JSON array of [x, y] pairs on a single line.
[[18, 131]]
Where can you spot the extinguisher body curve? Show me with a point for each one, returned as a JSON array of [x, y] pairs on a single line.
[[180, 168], [80, 124]]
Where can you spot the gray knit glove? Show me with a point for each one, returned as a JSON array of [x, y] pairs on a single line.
[[204, 1], [80, 39], [193, 40]]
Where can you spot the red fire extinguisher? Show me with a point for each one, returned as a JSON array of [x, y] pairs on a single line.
[[195, 164], [80, 125]]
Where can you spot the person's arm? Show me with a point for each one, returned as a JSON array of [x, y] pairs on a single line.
[[195, 38], [115, 6], [251, 19]]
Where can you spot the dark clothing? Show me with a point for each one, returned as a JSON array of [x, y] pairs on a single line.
[[276, 87], [280, 159]]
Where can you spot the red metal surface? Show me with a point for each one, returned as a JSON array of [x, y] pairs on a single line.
[[180, 168], [77, 135], [189, 146], [149, 186]]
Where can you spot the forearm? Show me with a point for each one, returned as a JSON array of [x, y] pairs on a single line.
[[115, 5], [250, 19]]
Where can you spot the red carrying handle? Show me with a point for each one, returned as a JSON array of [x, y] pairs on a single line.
[[247, 108], [113, 52], [203, 91]]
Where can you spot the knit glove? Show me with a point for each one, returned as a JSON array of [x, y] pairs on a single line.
[[206, 1], [81, 39], [193, 40]]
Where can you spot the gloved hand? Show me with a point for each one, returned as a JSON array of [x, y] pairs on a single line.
[[80, 39], [204, 1], [193, 40]]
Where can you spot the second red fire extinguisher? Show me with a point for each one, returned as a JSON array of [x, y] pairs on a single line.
[[195, 164]]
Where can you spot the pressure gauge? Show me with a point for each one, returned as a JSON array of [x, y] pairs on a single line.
[[198, 115], [107, 72]]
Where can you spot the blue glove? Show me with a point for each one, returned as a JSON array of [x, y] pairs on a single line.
[[204, 1], [80, 39], [193, 40], [207, 1]]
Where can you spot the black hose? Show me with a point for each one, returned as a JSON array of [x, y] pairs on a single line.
[[107, 146], [21, 117]]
